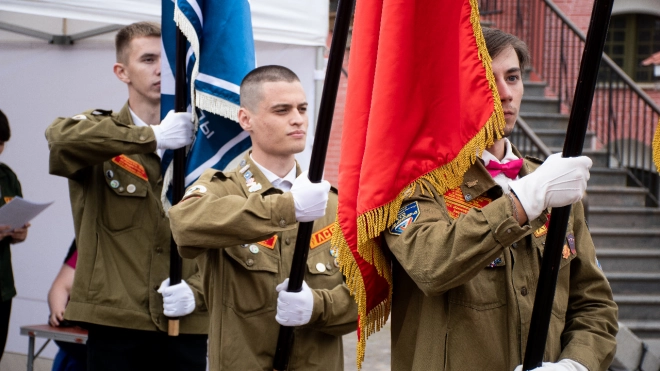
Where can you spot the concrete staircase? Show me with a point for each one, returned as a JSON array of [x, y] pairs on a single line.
[[626, 232]]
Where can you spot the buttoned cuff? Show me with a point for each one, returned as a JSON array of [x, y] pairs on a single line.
[[144, 134], [503, 225]]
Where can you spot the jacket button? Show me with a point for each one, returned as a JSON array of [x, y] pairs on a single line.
[[508, 230], [468, 197], [142, 137], [287, 241], [249, 262], [514, 245], [159, 250], [282, 223], [523, 291]]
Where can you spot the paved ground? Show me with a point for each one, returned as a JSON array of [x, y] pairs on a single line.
[[377, 357]]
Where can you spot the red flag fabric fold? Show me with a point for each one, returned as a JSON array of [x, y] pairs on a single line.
[[421, 104]]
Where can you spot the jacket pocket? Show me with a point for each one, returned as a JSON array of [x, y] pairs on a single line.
[[249, 280], [322, 273], [487, 290], [124, 197]]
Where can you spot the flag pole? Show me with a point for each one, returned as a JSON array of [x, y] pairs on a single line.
[[317, 162], [575, 134], [179, 161]]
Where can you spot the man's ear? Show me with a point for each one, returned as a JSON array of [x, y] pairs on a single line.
[[244, 119], [120, 71]]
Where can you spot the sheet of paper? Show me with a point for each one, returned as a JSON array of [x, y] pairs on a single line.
[[19, 212]]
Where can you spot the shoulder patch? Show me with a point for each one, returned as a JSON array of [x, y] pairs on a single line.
[[458, 204], [195, 188], [79, 117], [406, 216]]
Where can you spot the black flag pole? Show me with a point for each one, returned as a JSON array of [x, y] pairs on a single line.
[[575, 134], [319, 149], [179, 160]]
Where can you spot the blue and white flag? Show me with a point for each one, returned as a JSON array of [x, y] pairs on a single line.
[[220, 53]]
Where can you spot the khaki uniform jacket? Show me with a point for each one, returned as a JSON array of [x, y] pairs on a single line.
[[464, 288], [122, 232], [220, 225]]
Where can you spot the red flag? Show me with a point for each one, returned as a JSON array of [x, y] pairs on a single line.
[[421, 104]]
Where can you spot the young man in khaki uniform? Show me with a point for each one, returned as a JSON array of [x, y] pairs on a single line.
[[241, 226], [121, 292], [466, 267]]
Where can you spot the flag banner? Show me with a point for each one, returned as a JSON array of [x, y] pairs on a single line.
[[422, 105], [220, 53]]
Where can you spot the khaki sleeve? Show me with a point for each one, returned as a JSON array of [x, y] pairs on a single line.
[[222, 217], [335, 311], [439, 253], [589, 336], [77, 144]]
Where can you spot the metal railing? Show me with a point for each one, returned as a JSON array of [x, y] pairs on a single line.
[[527, 142], [623, 117]]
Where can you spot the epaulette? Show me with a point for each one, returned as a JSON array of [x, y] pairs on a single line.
[[93, 115], [101, 112], [209, 174]]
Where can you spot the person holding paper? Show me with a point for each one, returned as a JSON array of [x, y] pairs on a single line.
[[10, 187]]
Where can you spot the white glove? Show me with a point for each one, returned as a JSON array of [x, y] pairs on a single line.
[[178, 300], [558, 182], [563, 365], [175, 131], [310, 199], [294, 308]]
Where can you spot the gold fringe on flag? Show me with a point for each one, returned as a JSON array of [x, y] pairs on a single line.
[[373, 222], [656, 147]]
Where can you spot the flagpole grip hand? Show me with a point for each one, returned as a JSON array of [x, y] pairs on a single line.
[[310, 199], [563, 365], [178, 300], [559, 181], [294, 308], [175, 131]]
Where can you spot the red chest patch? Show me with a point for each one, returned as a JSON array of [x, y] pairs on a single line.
[[269, 243], [131, 166], [456, 204]]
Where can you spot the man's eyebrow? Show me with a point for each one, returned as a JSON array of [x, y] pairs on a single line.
[[513, 69], [148, 55]]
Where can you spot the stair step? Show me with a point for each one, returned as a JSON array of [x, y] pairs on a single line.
[[625, 238], [643, 329], [539, 104], [623, 217], [537, 120], [638, 307], [628, 260], [556, 137], [598, 156], [634, 282], [534, 88], [616, 196], [602, 176]]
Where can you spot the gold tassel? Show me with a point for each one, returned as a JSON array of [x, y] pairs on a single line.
[[656, 147]]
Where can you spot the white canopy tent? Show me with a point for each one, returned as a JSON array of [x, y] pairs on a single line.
[[40, 81]]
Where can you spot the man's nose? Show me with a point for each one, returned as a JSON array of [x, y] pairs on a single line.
[[298, 118], [504, 91]]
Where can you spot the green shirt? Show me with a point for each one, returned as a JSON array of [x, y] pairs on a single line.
[[9, 188]]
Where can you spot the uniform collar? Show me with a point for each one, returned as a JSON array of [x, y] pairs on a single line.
[[258, 176], [276, 181], [478, 181], [137, 121], [124, 115]]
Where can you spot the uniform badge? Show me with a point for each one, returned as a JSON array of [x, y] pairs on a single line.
[[405, 217], [244, 169], [114, 184], [131, 166], [195, 188], [254, 187], [458, 204], [472, 183], [543, 230], [565, 252], [495, 263], [269, 243], [570, 239], [321, 237], [247, 175]]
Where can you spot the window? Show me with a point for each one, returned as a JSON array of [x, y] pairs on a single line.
[[631, 39]]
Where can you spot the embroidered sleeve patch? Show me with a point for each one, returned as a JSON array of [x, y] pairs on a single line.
[[269, 243], [406, 216], [321, 237], [457, 205], [131, 166], [543, 230]]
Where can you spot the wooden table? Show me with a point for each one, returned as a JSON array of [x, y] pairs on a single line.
[[68, 334]]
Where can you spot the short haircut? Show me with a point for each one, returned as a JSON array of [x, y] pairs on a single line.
[[127, 34], [251, 93], [498, 40], [5, 132]]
